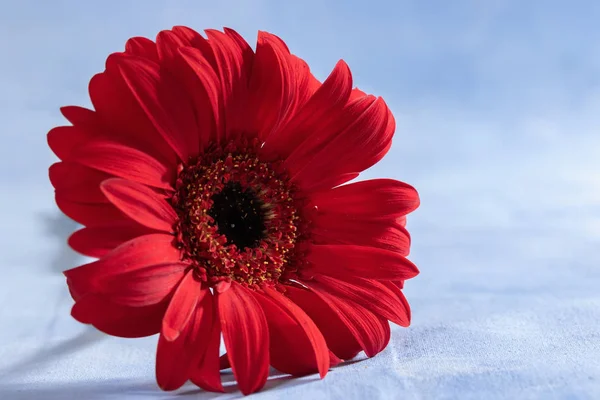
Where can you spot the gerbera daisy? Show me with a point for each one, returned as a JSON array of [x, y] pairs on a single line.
[[211, 183]]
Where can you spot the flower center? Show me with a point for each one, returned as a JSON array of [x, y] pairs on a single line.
[[238, 219], [239, 215]]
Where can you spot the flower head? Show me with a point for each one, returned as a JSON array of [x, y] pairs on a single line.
[[211, 183]]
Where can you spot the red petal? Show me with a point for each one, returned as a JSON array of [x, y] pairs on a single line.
[[122, 116], [370, 331], [203, 84], [207, 51], [373, 295], [376, 199], [396, 287], [88, 213], [297, 347], [63, 139], [167, 44], [308, 83], [142, 47], [402, 221], [119, 320], [87, 192], [366, 262], [337, 229], [90, 126], [136, 254], [246, 336], [140, 203], [182, 306], [334, 360], [244, 48], [207, 375], [337, 335], [176, 359], [79, 115], [315, 117], [144, 286], [232, 57], [312, 332], [278, 85], [96, 241], [356, 94], [77, 183], [125, 162], [165, 103], [187, 35], [356, 144]]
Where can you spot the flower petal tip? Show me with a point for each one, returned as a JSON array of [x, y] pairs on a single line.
[[223, 286], [169, 333]]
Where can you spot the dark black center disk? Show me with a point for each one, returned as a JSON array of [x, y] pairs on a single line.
[[238, 215]]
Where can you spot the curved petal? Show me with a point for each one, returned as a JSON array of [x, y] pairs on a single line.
[[79, 115], [297, 347], [182, 306], [77, 183], [233, 58], [78, 195], [337, 335], [175, 360], [246, 336], [375, 199], [372, 332], [164, 101], [98, 240], [373, 295], [355, 147], [279, 84], [142, 47], [244, 48], [136, 254], [315, 118], [63, 139], [89, 126], [206, 374], [168, 43], [187, 35], [88, 213], [337, 229], [125, 162], [204, 47], [204, 86], [140, 203], [396, 288], [366, 262], [119, 320], [145, 286], [120, 113]]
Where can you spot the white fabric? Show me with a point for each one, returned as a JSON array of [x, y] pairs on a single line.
[[499, 329]]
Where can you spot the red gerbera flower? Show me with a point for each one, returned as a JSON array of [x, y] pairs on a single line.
[[208, 181]]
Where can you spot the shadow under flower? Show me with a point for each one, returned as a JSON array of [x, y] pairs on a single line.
[[58, 227], [120, 389], [88, 390], [276, 379], [47, 355]]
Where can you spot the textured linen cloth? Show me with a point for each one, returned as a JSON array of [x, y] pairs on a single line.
[[499, 326]]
